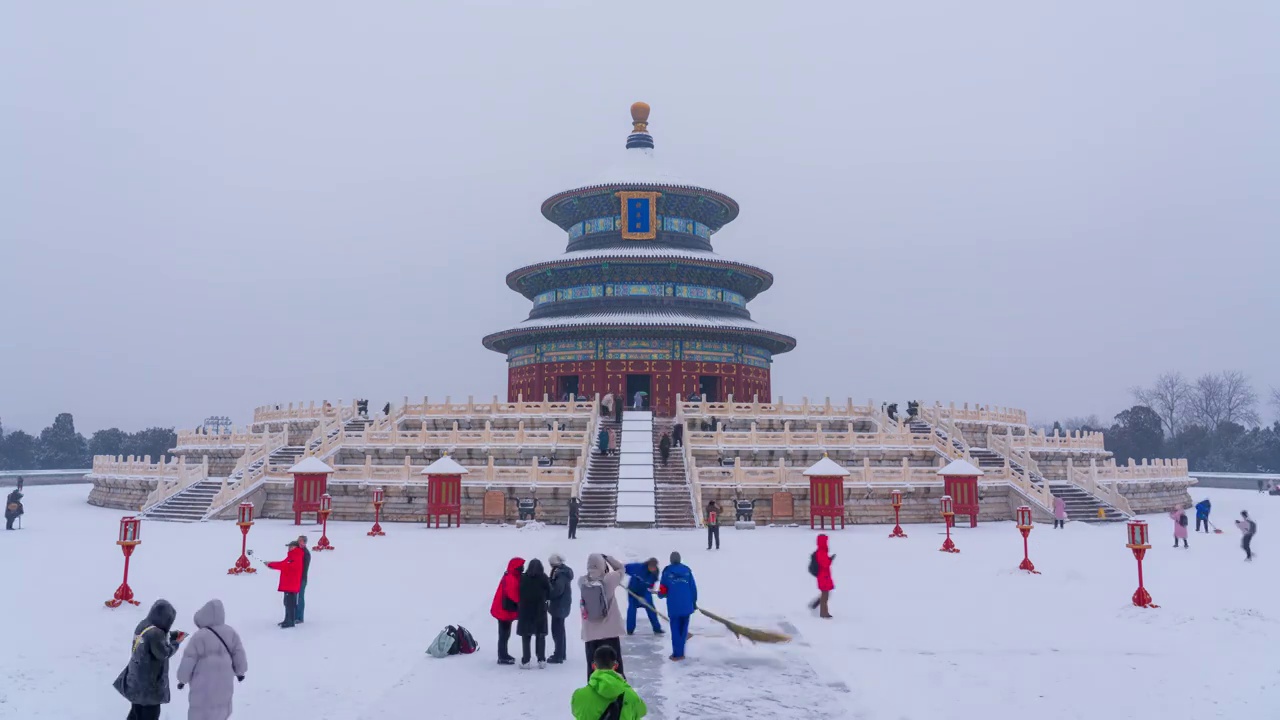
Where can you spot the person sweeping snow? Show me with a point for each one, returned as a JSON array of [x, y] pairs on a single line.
[[643, 577], [680, 590], [213, 658], [1202, 514]]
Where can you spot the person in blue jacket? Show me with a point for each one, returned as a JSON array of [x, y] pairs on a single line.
[[1202, 514], [681, 592], [643, 577]]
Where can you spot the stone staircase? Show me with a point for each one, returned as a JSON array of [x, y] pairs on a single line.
[[673, 501], [920, 427], [1080, 504], [599, 494], [190, 505], [1084, 507]]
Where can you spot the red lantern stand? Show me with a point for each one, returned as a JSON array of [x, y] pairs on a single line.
[[1024, 527], [960, 481], [948, 515], [310, 481], [130, 537], [378, 499], [895, 497], [444, 490], [244, 519], [826, 493], [1138, 543], [326, 507]]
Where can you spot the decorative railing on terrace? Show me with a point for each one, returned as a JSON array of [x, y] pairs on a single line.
[[171, 477], [308, 411]]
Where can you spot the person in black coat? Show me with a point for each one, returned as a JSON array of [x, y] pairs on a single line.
[[144, 682], [575, 505], [560, 606], [12, 508], [531, 620], [677, 435]]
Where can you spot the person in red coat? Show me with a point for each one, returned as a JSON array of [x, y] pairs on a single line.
[[290, 582], [822, 559], [506, 605]]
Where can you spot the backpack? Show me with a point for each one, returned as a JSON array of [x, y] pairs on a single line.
[[466, 643], [594, 603], [453, 640], [614, 711], [1253, 527], [1182, 520], [813, 564]]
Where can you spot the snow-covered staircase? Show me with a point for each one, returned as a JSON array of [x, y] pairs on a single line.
[[599, 494], [674, 504], [1083, 506], [189, 505], [636, 496]]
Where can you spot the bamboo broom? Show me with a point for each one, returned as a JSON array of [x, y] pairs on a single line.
[[739, 631]]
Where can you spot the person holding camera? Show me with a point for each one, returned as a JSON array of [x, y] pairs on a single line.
[[144, 682]]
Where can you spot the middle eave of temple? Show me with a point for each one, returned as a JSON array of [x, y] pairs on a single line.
[[740, 277]]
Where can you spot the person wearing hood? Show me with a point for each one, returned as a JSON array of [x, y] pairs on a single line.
[[643, 577], [290, 581], [602, 441], [212, 659], [531, 621], [561, 603], [606, 688], [1179, 526], [1202, 514], [681, 592], [822, 560], [506, 607], [1059, 513], [144, 682], [302, 585], [12, 508], [601, 618]]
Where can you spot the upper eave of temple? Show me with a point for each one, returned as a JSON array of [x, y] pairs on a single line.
[[639, 253]]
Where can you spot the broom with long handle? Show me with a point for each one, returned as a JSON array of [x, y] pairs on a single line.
[[739, 631]]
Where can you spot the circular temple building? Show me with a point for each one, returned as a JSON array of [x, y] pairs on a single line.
[[640, 302]]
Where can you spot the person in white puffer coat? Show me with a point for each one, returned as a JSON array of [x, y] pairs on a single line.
[[212, 664]]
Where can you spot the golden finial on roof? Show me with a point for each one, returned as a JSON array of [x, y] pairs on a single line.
[[640, 117]]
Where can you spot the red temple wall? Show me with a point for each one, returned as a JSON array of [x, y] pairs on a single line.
[[667, 379]]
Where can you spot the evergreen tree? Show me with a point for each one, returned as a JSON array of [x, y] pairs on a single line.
[[18, 451], [156, 442], [112, 441], [61, 447]]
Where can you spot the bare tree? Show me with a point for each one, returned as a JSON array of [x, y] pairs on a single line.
[[1080, 423], [1222, 398], [1170, 397], [1275, 399]]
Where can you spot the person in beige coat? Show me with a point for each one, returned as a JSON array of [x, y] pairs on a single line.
[[601, 616], [212, 663]]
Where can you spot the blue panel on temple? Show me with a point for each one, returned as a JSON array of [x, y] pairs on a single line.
[[638, 215]]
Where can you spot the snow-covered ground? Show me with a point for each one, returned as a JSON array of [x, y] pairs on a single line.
[[918, 633]]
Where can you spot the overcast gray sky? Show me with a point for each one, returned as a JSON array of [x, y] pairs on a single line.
[[207, 207]]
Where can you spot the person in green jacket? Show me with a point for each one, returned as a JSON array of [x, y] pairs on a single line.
[[605, 688]]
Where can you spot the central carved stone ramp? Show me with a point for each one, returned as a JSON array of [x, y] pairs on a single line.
[[1083, 506], [636, 497]]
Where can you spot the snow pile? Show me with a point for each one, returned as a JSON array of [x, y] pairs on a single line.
[[533, 526]]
